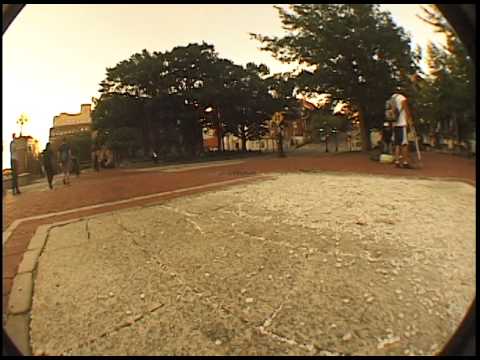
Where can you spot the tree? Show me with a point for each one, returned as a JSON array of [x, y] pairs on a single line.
[[220, 98], [165, 96], [165, 113], [191, 70], [251, 103], [81, 146], [136, 78], [238, 100], [123, 141], [355, 52], [286, 106], [157, 81], [22, 120], [447, 99]]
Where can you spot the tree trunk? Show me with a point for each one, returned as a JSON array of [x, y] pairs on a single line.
[[219, 138], [193, 139], [456, 127], [280, 143], [145, 144], [220, 133], [244, 142], [460, 129], [151, 135], [147, 133], [363, 130], [199, 140]]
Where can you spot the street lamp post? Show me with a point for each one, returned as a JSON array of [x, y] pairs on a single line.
[[22, 120]]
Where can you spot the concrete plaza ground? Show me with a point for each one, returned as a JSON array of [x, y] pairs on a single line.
[[222, 280]]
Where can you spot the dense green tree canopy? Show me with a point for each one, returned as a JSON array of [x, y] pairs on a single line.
[[81, 146], [165, 95]]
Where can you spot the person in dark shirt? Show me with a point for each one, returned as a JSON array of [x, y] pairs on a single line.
[[65, 157], [48, 162]]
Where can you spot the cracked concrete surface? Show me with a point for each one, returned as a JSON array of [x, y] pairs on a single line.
[[304, 264]]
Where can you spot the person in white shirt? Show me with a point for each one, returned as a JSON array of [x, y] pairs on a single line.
[[14, 166], [400, 140]]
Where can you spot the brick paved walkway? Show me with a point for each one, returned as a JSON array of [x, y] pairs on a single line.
[[113, 185]]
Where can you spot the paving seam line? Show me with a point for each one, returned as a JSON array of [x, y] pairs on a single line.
[[14, 225], [21, 336]]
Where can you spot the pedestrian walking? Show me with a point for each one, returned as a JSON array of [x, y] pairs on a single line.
[[48, 164], [14, 166], [65, 156]]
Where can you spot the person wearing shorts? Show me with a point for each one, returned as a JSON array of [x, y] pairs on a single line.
[[400, 140], [65, 156]]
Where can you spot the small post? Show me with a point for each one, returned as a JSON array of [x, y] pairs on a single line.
[[336, 139]]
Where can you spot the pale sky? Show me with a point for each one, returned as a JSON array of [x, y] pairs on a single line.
[[54, 56]]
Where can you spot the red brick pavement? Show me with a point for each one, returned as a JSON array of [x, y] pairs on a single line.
[[114, 185]]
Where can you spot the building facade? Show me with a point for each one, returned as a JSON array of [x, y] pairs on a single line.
[[67, 125], [27, 150]]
